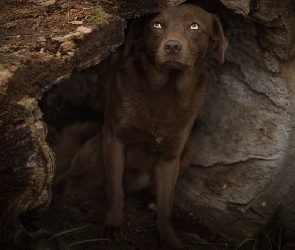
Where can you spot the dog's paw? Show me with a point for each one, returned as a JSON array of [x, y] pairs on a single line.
[[113, 233], [169, 238]]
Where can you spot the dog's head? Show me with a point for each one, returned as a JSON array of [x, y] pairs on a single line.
[[177, 38]]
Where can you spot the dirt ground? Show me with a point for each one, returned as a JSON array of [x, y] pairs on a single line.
[[73, 211], [22, 22], [33, 25], [88, 210]]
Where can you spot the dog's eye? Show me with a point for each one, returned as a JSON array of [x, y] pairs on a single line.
[[157, 25], [194, 26]]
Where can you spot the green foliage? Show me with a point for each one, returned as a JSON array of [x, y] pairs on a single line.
[[83, 241], [99, 16], [45, 245], [264, 243]]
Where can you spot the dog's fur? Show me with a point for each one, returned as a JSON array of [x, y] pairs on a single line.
[[152, 104], [79, 160], [80, 165]]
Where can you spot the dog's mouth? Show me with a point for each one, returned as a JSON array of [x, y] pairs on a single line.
[[172, 62]]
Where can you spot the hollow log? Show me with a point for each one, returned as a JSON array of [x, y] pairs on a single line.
[[243, 178], [42, 42], [244, 166]]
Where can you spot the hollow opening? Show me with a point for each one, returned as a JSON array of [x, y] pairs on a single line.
[[238, 122], [80, 98]]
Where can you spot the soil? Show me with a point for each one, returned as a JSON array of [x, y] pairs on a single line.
[[74, 211], [22, 21], [31, 25]]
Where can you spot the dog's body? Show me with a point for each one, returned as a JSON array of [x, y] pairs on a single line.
[[152, 102], [152, 105]]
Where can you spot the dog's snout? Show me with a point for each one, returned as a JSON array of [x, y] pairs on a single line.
[[172, 47]]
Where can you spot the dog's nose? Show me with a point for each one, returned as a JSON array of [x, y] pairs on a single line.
[[172, 47]]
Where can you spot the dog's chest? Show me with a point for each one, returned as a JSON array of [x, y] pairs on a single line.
[[154, 119], [159, 139], [143, 128], [155, 108]]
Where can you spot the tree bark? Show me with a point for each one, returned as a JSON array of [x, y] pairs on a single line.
[[42, 42], [244, 166]]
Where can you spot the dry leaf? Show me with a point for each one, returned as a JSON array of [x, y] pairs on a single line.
[[76, 22]]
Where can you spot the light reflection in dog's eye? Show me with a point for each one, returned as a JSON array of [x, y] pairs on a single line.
[[157, 25], [194, 26]]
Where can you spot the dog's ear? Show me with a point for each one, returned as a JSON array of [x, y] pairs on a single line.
[[220, 42], [134, 35]]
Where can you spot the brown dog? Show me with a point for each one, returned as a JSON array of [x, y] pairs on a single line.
[[152, 105]]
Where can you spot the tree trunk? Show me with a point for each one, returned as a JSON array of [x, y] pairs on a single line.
[[244, 166]]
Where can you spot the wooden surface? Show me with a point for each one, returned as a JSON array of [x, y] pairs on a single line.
[[246, 128], [42, 42]]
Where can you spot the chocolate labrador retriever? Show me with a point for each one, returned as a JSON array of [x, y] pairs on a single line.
[[152, 105]]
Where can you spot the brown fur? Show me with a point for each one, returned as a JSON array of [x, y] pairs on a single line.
[[70, 141], [152, 105], [77, 159], [80, 165]]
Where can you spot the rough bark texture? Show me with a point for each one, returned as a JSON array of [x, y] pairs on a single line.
[[42, 42], [246, 127], [244, 167]]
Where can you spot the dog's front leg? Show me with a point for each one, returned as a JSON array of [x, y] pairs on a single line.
[[114, 159], [166, 173]]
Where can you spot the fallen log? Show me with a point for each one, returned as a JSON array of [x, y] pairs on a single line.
[[242, 180]]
